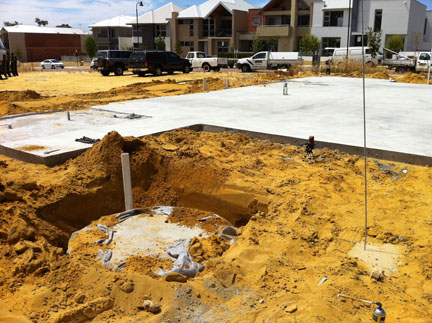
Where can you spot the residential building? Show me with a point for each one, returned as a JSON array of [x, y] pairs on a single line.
[[114, 33], [212, 27], [152, 24], [287, 21], [407, 18], [35, 43]]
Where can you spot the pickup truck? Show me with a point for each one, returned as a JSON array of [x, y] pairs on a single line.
[[199, 59], [268, 60], [402, 63]]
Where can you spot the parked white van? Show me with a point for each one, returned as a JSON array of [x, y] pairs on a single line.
[[355, 54]]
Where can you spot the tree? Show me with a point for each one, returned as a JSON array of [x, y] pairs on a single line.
[[258, 45], [63, 26], [41, 22], [395, 43], [178, 48], [90, 46], [374, 41], [160, 43], [10, 24], [18, 53], [310, 45]]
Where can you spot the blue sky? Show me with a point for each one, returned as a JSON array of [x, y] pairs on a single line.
[[82, 13]]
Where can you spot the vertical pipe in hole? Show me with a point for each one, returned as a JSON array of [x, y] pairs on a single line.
[[127, 183]]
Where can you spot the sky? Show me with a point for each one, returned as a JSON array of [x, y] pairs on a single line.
[[82, 13]]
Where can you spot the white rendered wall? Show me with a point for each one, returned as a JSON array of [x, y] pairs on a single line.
[[323, 32]]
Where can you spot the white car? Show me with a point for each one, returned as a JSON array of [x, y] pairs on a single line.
[[93, 63], [51, 64]]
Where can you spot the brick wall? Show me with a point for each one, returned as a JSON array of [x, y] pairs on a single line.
[[251, 14], [43, 46]]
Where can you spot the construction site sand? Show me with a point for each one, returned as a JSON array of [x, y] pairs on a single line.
[[34, 92], [300, 222], [38, 91]]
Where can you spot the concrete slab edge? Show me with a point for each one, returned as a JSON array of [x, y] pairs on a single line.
[[355, 150]]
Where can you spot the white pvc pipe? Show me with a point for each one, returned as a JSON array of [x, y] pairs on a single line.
[[205, 85], [127, 183]]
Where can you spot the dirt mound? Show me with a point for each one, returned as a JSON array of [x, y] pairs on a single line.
[[380, 75], [191, 217], [412, 78], [19, 95], [306, 220]]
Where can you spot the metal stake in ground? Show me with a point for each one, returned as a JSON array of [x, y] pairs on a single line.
[[204, 85], [68, 115], [285, 88], [127, 183], [227, 83]]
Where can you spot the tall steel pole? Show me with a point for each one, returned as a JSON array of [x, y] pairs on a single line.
[[364, 125], [136, 7], [349, 27]]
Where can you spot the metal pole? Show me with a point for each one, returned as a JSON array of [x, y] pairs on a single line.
[[429, 70], [364, 126], [349, 26], [137, 25]]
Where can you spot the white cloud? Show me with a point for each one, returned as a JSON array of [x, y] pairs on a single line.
[[73, 12]]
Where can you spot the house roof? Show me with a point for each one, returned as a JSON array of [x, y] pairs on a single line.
[[28, 29], [119, 21], [205, 9], [337, 4], [158, 16]]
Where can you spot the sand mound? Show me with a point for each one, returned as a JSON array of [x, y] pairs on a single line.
[[19, 95], [412, 78], [380, 75], [300, 222]]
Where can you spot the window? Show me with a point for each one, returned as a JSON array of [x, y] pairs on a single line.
[[135, 31], [191, 28], [189, 44], [200, 55], [303, 20], [222, 47], [424, 57], [208, 28], [259, 56], [274, 21], [190, 55], [425, 27], [160, 31], [378, 20], [256, 21], [103, 33], [333, 18], [329, 42], [113, 33]]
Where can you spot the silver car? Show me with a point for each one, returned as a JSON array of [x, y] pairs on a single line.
[[51, 64]]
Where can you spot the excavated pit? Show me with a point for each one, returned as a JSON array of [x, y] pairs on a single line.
[[159, 177]]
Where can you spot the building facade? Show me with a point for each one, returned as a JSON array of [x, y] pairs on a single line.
[[114, 33], [287, 21], [153, 24], [408, 19], [34, 43], [212, 27]]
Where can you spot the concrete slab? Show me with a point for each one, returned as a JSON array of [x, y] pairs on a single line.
[[330, 108]]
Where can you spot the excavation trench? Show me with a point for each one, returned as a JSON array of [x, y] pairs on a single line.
[[157, 179]]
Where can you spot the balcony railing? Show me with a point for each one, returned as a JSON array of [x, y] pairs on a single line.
[[273, 30], [218, 33]]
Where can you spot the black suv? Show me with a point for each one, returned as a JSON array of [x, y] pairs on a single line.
[[157, 62], [115, 61]]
